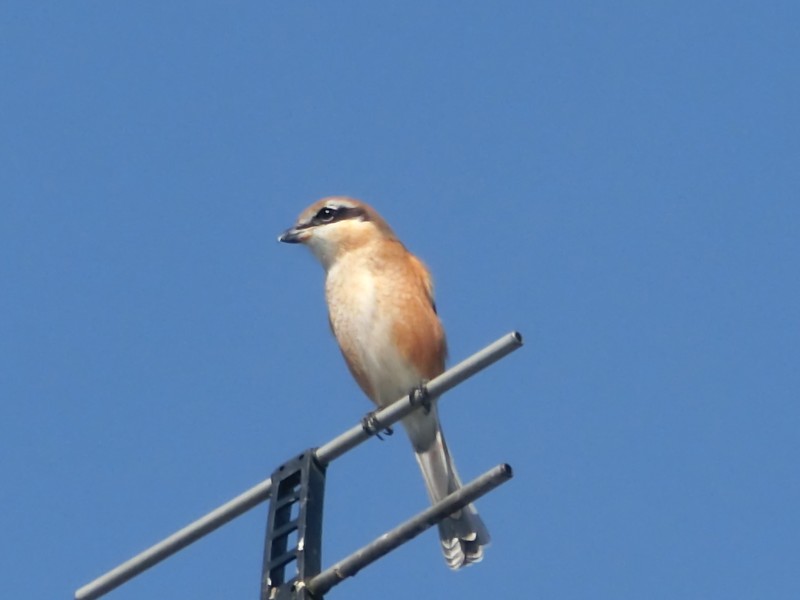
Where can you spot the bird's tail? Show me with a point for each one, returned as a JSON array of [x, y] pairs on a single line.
[[463, 533]]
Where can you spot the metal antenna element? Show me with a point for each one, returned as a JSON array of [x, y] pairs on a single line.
[[324, 455], [407, 531], [295, 514]]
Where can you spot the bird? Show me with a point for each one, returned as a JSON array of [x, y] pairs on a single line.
[[382, 312]]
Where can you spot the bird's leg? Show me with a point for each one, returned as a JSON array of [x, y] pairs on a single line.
[[372, 425], [419, 397]]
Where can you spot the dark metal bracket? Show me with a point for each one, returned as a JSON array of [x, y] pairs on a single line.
[[293, 545]]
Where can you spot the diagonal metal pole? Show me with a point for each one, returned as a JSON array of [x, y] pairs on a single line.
[[324, 454], [348, 567], [435, 388]]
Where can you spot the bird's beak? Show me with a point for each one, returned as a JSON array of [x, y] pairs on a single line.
[[290, 236]]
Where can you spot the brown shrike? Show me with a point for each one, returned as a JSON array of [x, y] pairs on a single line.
[[382, 312]]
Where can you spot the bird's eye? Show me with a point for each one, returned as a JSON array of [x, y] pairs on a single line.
[[325, 214]]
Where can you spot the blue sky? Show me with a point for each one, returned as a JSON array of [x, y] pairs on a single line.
[[618, 181]]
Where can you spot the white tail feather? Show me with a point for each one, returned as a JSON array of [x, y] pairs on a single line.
[[462, 534]]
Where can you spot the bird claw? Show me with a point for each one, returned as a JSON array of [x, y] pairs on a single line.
[[419, 397], [372, 426]]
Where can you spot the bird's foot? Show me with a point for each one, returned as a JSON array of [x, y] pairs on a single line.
[[372, 425], [419, 397]]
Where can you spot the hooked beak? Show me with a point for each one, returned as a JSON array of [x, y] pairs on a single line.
[[290, 236]]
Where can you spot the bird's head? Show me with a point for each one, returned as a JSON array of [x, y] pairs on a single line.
[[335, 225]]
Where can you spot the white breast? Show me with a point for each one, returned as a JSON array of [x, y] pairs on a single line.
[[362, 322]]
